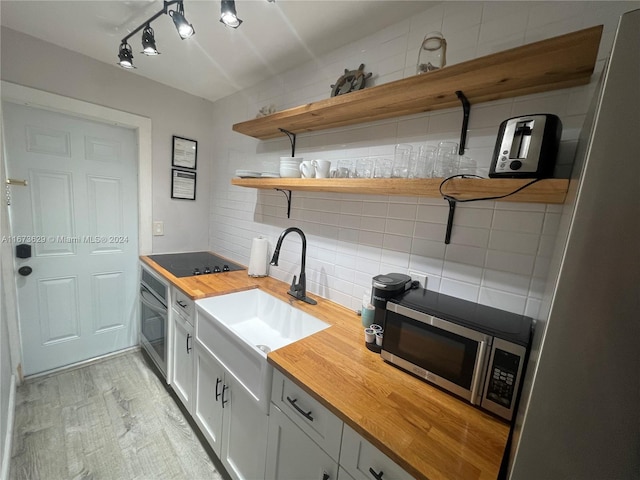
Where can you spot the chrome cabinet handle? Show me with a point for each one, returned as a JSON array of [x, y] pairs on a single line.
[[218, 382], [224, 389], [294, 404], [377, 476]]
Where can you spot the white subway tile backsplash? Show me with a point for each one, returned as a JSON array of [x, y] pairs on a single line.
[[499, 253], [396, 258], [508, 282], [469, 236], [396, 242], [402, 211], [454, 288], [518, 221], [399, 227], [510, 262], [429, 231], [514, 242], [502, 300]]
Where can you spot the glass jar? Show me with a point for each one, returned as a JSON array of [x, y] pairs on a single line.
[[432, 53]]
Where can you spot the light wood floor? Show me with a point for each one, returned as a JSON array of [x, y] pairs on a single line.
[[108, 420]]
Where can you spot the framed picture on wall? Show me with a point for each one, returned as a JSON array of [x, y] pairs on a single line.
[[183, 184], [184, 153]]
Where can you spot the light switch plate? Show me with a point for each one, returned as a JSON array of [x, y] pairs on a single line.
[[158, 228]]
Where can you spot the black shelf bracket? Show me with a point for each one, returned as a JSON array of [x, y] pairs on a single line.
[[292, 139], [452, 211], [466, 107], [288, 196]]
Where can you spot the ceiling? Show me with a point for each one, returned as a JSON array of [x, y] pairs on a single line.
[[217, 61]]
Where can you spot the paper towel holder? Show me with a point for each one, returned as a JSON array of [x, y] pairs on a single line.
[[258, 267]]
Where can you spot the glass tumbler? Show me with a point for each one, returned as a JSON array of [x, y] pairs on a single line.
[[446, 163], [422, 160], [382, 168], [467, 166], [401, 161], [364, 168]]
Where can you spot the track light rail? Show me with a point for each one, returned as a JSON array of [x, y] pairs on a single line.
[[164, 11], [185, 30]]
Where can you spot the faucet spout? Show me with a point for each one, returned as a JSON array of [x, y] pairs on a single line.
[[298, 287]]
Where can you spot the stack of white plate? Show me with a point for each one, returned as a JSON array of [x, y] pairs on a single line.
[[270, 169], [247, 174], [290, 167]]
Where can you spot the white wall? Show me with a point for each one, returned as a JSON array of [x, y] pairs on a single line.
[[500, 251], [31, 62]]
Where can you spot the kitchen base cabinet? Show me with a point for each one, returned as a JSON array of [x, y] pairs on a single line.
[[229, 418], [324, 428], [291, 454], [244, 433], [182, 358], [207, 411], [363, 461]]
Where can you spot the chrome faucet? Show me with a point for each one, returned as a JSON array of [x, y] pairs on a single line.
[[297, 290]]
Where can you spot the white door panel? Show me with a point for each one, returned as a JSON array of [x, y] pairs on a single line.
[[79, 214]]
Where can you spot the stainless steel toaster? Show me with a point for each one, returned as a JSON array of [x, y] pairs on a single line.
[[527, 147]]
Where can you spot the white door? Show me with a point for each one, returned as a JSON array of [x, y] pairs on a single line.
[[78, 213]]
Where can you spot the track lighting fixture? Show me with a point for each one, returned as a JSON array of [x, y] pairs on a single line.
[[185, 30], [125, 55], [149, 42], [228, 14]]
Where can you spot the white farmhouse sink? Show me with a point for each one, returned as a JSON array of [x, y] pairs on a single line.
[[239, 329]]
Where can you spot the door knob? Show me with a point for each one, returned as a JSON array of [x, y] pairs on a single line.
[[25, 271]]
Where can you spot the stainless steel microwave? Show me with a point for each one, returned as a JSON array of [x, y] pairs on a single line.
[[473, 351]]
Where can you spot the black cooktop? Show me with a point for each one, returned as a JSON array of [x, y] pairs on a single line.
[[194, 263]]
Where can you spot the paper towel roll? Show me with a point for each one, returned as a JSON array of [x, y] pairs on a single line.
[[258, 259]]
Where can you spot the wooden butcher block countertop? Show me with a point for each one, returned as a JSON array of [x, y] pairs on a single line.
[[428, 432]]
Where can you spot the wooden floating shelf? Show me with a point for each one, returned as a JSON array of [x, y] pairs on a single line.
[[551, 190], [559, 62]]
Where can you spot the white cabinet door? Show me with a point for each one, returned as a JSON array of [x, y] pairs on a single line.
[[343, 475], [363, 461], [207, 409], [293, 455], [314, 419], [245, 425], [183, 360]]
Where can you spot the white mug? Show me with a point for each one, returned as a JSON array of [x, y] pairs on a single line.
[[307, 170], [322, 168]]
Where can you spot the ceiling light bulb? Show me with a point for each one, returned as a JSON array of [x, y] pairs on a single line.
[[228, 14], [125, 55], [185, 29], [149, 42]]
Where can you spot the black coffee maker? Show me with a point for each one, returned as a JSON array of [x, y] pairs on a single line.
[[385, 287]]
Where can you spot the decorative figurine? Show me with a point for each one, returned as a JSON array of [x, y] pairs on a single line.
[[351, 80]]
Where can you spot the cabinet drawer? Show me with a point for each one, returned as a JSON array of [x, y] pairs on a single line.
[[363, 461], [292, 455], [183, 304], [306, 412]]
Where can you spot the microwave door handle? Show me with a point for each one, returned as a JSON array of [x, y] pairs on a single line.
[[157, 307], [477, 372]]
